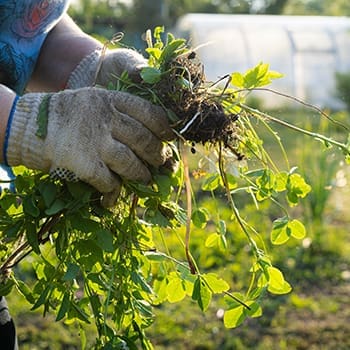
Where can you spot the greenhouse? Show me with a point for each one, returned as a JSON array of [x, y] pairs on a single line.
[[308, 50]]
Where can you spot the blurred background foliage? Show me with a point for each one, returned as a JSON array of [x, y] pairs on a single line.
[[106, 17], [316, 314]]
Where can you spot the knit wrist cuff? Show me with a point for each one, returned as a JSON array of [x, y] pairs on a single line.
[[85, 73], [24, 146]]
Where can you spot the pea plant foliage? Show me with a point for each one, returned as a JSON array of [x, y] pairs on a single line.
[[112, 267]]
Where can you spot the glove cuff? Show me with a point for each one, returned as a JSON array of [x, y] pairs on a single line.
[[24, 146], [85, 72]]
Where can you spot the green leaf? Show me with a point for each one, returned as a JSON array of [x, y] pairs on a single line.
[[13, 229], [180, 214], [43, 296], [223, 243], [43, 117], [64, 308], [221, 227], [164, 184], [231, 181], [155, 217], [274, 75], [79, 313], [105, 240], [44, 270], [57, 206], [255, 173], [175, 290], [25, 291], [32, 236], [266, 180], [160, 289], [90, 253], [95, 303], [169, 38], [61, 243], [139, 280], [280, 234], [170, 49], [255, 309], [234, 317], [83, 224], [154, 52], [237, 312], [265, 183], [30, 207], [253, 76], [212, 240], [237, 79], [283, 229], [297, 229], [144, 308], [151, 75], [157, 33], [80, 190], [6, 288], [48, 191], [97, 279], [216, 284], [200, 217], [211, 182], [143, 191], [72, 272], [202, 294], [276, 282], [296, 188], [260, 75], [281, 181], [156, 256], [21, 184]]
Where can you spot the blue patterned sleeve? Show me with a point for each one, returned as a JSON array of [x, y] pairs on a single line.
[[24, 26]]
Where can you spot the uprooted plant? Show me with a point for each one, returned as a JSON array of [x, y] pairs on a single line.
[[111, 266]]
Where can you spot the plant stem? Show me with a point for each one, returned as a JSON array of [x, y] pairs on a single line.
[[234, 208], [306, 104], [189, 213], [314, 135], [21, 252]]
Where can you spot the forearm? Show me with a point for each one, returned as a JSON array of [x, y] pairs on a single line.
[[7, 97], [65, 46]]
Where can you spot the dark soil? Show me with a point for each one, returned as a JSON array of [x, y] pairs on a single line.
[[202, 117]]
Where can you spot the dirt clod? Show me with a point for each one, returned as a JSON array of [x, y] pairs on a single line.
[[202, 117]]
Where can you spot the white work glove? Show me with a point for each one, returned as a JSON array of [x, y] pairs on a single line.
[[103, 68], [92, 134]]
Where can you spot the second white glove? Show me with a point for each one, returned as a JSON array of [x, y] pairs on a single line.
[[103, 68]]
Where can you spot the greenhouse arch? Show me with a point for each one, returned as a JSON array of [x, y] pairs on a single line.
[[308, 50]]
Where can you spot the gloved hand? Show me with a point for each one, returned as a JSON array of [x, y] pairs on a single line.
[[92, 134], [102, 68]]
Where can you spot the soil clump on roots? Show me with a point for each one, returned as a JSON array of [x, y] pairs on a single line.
[[202, 118]]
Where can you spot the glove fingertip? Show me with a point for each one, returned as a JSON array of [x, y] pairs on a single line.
[[167, 134]]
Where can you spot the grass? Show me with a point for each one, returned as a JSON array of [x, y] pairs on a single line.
[[309, 319]]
